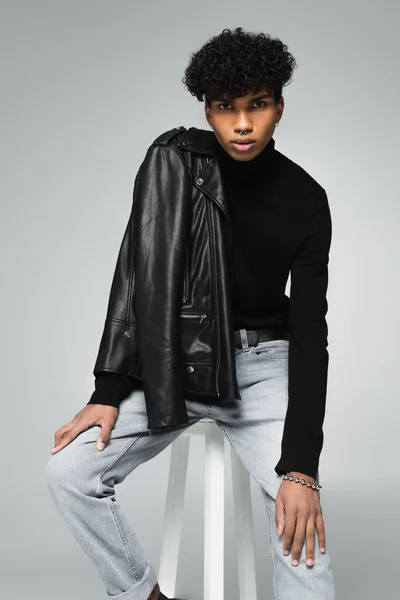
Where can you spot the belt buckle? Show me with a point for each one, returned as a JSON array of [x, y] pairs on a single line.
[[252, 337]]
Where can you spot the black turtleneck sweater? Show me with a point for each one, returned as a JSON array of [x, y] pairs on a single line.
[[281, 224]]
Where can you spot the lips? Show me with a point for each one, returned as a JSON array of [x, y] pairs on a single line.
[[244, 141], [242, 146]]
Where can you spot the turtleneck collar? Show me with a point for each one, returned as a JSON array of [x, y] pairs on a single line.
[[261, 161]]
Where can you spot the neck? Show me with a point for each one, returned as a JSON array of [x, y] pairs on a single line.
[[251, 169]]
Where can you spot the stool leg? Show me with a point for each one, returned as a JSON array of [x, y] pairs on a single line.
[[214, 515], [173, 515], [244, 529]]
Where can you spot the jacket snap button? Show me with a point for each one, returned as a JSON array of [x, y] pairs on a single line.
[[185, 143], [199, 181], [190, 369], [127, 334]]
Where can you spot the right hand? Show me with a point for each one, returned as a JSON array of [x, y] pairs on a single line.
[[91, 414]]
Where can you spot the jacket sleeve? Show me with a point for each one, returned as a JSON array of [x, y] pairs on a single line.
[[118, 348], [302, 438], [111, 389], [161, 216]]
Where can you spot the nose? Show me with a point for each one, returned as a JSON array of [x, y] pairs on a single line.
[[243, 125]]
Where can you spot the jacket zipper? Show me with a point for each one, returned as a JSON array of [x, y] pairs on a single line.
[[186, 279], [211, 222], [201, 316]]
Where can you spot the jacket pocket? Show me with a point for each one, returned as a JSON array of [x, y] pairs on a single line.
[[275, 349], [196, 316]]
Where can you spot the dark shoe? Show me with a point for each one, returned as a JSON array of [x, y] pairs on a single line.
[[163, 597]]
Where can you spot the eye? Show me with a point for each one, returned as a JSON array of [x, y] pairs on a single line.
[[262, 102]]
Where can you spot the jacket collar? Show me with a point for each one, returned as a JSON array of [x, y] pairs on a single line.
[[210, 179], [198, 140]]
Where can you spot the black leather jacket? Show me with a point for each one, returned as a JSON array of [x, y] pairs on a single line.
[[169, 319]]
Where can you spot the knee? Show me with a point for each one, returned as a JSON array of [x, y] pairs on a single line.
[[61, 472]]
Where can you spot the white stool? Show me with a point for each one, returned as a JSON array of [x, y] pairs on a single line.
[[214, 516]]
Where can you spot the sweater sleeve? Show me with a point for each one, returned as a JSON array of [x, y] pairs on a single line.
[[112, 388], [303, 436]]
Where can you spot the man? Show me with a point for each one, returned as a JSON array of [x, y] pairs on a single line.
[[198, 325]]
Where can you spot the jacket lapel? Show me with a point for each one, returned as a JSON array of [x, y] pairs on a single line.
[[209, 179]]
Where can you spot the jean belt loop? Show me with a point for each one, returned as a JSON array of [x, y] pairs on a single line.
[[244, 340]]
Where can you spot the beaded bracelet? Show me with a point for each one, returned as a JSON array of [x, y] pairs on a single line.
[[315, 486]]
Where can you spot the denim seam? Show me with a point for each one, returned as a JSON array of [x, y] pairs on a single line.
[[268, 516], [270, 544], [115, 459], [128, 554], [117, 523], [224, 431]]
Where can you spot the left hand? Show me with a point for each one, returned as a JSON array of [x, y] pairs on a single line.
[[303, 512]]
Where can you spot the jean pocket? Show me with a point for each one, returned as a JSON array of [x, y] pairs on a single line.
[[274, 349]]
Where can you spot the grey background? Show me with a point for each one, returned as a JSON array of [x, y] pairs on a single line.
[[85, 88]]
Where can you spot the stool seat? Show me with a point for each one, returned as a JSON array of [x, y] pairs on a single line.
[[214, 505]]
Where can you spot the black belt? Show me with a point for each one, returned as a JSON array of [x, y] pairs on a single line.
[[261, 335]]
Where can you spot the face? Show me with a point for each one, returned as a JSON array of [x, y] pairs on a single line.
[[255, 114]]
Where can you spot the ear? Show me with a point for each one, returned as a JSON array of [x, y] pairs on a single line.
[[280, 107], [207, 113]]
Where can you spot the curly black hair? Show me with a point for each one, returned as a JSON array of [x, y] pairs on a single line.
[[234, 64]]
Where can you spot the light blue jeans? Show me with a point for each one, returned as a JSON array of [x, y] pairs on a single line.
[[81, 478]]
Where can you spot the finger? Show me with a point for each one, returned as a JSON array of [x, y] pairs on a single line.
[[319, 523], [67, 438], [65, 429], [59, 434], [290, 528], [298, 540], [104, 437], [280, 515], [59, 437], [310, 541]]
